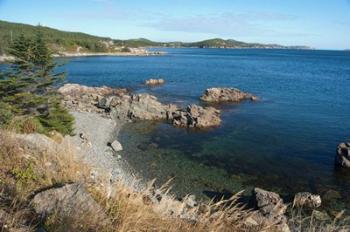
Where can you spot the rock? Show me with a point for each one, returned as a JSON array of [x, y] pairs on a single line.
[[83, 98], [343, 155], [308, 200], [69, 200], [154, 82], [125, 106], [270, 209], [116, 145], [190, 201], [217, 95], [76, 90], [197, 116], [137, 106]]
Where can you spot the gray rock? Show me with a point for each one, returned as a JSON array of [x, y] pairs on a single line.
[[343, 155], [226, 95], [308, 200], [270, 210], [69, 200], [116, 145], [197, 116], [153, 82]]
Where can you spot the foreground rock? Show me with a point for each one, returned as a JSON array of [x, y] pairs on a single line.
[[153, 82], [217, 95], [343, 155], [308, 200], [196, 116], [270, 210], [69, 200]]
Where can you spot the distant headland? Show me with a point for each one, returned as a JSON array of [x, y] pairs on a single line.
[[76, 43]]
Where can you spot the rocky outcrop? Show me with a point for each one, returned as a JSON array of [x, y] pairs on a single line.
[[196, 116], [69, 200], [137, 106], [123, 105], [308, 200], [147, 107], [84, 99], [153, 82], [270, 210], [343, 155], [217, 95]]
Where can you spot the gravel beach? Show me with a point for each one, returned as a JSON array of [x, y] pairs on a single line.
[[93, 133]]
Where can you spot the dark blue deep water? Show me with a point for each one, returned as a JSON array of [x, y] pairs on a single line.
[[285, 142]]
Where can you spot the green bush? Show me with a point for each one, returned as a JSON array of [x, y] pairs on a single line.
[[58, 119], [5, 114]]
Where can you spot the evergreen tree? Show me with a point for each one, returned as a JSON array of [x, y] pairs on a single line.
[[24, 90]]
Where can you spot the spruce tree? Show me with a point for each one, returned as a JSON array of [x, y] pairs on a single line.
[[25, 89]]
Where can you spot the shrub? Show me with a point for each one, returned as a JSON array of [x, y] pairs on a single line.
[[58, 119]]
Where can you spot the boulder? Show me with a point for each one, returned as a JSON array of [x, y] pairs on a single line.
[[217, 95], [197, 116], [308, 200], [343, 155], [270, 210], [154, 82], [70, 200], [116, 145]]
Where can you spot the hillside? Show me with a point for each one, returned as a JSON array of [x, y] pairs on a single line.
[[63, 41]]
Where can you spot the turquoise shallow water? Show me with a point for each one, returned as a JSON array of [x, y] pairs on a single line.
[[285, 142]]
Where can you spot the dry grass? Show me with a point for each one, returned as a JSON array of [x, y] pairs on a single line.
[[300, 222], [24, 170]]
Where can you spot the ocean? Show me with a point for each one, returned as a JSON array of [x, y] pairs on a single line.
[[284, 142]]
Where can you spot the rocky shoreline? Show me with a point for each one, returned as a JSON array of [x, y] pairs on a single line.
[[101, 112]]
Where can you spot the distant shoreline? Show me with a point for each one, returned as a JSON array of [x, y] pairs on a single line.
[[6, 58]]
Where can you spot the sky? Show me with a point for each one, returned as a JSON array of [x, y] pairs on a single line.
[[322, 24]]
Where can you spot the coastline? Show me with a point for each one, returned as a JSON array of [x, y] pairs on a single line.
[[143, 53], [83, 54]]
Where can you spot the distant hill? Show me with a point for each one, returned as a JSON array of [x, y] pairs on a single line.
[[230, 43], [63, 41]]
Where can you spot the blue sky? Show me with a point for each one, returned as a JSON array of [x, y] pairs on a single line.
[[321, 24]]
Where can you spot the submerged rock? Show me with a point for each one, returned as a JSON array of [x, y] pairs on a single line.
[[217, 95], [155, 81], [343, 155], [308, 200]]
